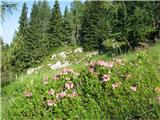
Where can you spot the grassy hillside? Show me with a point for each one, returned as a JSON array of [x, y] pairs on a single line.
[[93, 87]]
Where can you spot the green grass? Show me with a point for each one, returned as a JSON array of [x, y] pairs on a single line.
[[94, 100]]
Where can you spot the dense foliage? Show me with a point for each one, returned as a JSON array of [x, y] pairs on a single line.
[[113, 89], [94, 27], [86, 24]]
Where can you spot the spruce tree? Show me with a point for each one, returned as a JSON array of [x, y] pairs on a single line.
[[55, 32], [93, 25], [133, 21], [76, 13], [67, 30], [18, 60], [37, 42], [23, 20], [32, 43], [44, 16]]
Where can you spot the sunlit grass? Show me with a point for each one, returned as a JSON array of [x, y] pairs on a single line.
[[14, 90]]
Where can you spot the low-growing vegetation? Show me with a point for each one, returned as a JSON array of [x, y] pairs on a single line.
[[95, 60], [125, 87]]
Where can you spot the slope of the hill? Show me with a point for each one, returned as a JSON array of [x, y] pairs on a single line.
[[91, 87]]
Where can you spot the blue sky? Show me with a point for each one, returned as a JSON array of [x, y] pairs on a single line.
[[11, 22]]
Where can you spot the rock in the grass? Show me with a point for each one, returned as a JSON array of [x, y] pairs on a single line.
[[78, 50], [30, 71], [53, 56], [63, 54], [56, 66], [59, 65]]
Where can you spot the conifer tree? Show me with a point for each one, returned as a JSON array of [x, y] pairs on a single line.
[[31, 44], [44, 16], [93, 25], [133, 21], [76, 13], [18, 60], [67, 30], [55, 32], [23, 20]]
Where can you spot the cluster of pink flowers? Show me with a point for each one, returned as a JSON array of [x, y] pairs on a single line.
[[105, 64], [101, 62], [51, 92], [66, 71], [28, 94], [69, 85], [73, 94], [62, 95], [116, 85], [92, 64], [51, 103], [109, 64], [105, 78]]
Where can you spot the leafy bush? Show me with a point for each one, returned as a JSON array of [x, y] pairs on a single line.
[[117, 89]]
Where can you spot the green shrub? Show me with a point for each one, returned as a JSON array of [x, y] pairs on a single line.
[[117, 89]]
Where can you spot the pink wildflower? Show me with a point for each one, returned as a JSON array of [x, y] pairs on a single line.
[[109, 64], [133, 88], [51, 92], [116, 85], [102, 63], [69, 85], [105, 78], [51, 103], [28, 94], [67, 70], [62, 95]]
